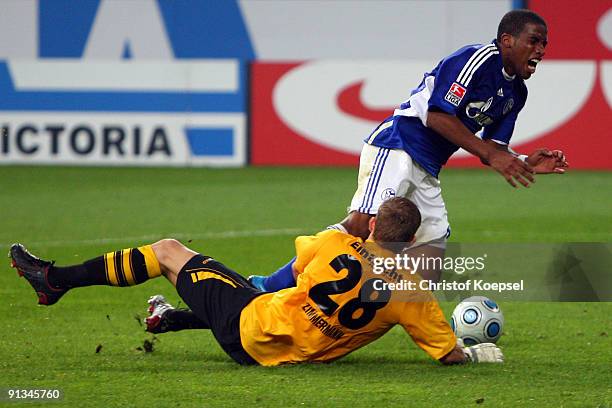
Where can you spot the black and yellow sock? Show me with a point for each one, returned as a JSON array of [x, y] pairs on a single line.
[[120, 268]]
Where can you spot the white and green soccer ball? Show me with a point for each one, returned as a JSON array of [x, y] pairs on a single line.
[[477, 319]]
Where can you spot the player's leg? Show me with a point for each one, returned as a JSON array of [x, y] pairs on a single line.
[[432, 252], [120, 268], [217, 295], [357, 224], [431, 237], [129, 266], [172, 256], [383, 173], [282, 278], [163, 317], [126, 267], [389, 173]]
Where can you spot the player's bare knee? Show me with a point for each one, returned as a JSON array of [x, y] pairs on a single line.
[[166, 249], [357, 224]]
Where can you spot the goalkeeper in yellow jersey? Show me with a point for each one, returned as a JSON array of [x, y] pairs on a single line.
[[337, 306]]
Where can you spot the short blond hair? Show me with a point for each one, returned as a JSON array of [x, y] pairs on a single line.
[[397, 221]]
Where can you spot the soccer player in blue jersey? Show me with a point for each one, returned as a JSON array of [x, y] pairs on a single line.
[[471, 99]]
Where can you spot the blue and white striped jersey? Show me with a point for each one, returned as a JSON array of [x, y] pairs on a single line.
[[470, 84]]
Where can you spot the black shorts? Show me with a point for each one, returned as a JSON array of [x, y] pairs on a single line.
[[217, 295]]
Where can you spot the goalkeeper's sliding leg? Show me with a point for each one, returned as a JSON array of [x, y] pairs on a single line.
[[215, 294], [125, 267]]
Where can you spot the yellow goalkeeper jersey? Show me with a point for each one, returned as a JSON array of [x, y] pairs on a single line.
[[327, 315]]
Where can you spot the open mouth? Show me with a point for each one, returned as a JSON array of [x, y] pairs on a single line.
[[531, 65]]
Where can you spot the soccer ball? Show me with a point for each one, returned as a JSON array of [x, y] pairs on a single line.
[[477, 319]]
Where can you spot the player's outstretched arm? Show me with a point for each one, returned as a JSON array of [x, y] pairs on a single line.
[[510, 167]]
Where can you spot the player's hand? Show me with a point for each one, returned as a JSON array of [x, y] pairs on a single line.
[[544, 161], [511, 168], [484, 353]]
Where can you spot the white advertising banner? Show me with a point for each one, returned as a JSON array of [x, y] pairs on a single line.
[[118, 138]]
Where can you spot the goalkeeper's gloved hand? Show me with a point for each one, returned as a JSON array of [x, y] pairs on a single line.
[[484, 353]]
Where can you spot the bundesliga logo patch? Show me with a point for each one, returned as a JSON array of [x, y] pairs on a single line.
[[455, 94]]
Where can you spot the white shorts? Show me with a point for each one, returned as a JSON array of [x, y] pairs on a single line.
[[386, 173]]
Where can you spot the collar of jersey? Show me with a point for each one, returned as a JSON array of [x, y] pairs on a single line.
[[507, 77]]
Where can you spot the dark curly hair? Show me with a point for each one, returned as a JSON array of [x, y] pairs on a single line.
[[513, 22]]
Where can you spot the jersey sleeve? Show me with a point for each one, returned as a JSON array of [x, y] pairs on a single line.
[[449, 88], [306, 247], [426, 324]]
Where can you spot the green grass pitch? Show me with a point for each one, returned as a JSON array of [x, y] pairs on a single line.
[[557, 354]]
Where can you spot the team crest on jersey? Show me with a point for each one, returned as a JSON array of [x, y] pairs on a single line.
[[476, 111], [387, 193], [455, 94], [508, 105]]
